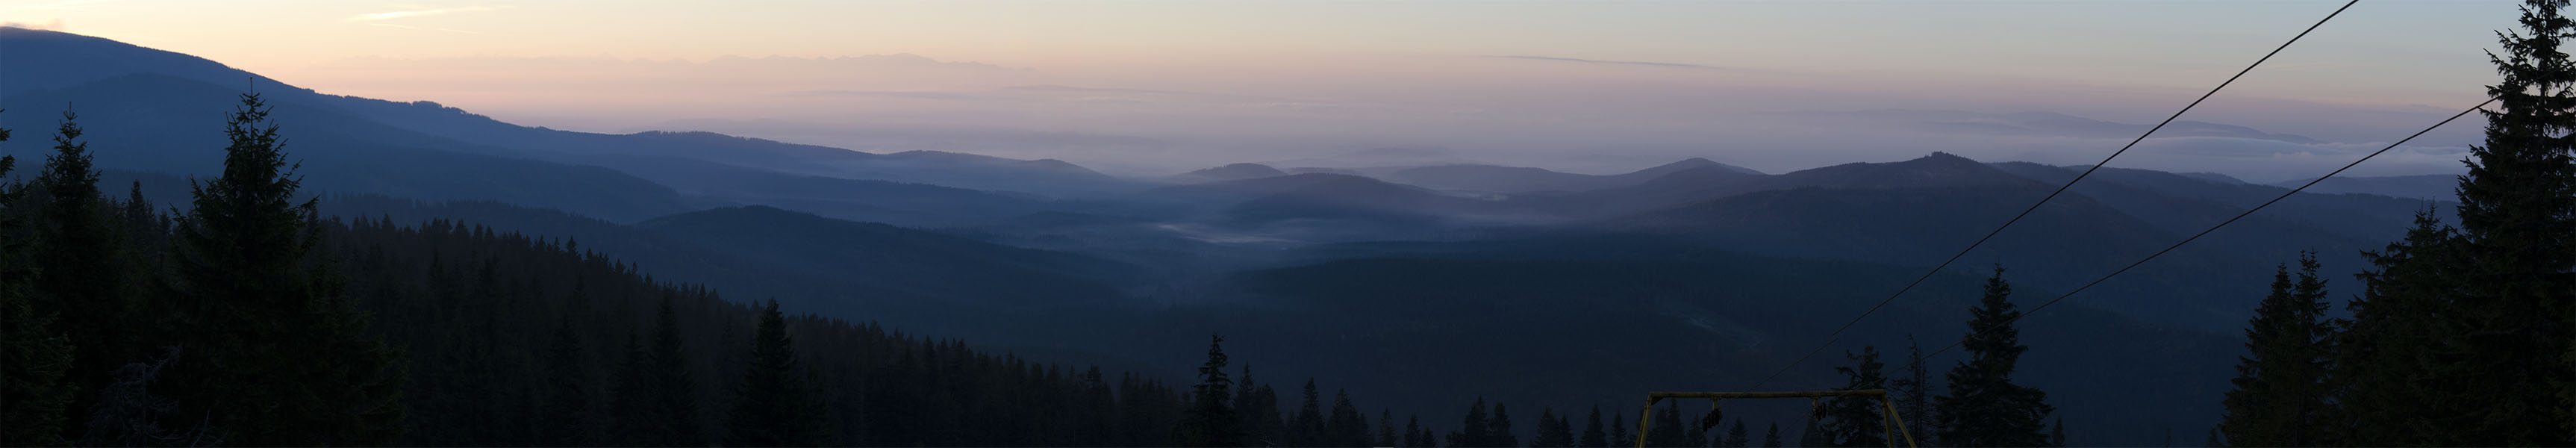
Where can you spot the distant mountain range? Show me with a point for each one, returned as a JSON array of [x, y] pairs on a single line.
[[1562, 287], [159, 111], [1238, 171], [1505, 179], [2051, 124], [2430, 187]]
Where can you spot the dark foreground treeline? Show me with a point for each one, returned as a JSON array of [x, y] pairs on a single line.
[[2457, 336], [515, 341], [242, 318]]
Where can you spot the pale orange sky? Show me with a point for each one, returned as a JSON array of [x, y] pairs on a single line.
[[1278, 79]]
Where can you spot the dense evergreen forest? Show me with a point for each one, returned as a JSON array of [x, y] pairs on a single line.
[[2459, 335], [120, 333], [246, 319]]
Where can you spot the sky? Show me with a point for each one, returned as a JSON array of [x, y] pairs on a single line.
[[1149, 87]]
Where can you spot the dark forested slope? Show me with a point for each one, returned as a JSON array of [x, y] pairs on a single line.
[[493, 323]]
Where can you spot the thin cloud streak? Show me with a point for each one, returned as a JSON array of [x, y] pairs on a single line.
[[885, 93], [424, 28], [66, 5], [1593, 61], [390, 15], [54, 25]]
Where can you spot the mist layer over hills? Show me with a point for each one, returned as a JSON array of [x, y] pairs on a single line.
[[1422, 283]]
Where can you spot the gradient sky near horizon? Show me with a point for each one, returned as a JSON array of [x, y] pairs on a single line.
[[1148, 86]]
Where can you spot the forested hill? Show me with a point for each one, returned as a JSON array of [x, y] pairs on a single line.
[[504, 339], [513, 340], [245, 318]]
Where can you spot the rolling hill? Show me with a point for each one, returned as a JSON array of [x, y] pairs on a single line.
[[1322, 207], [158, 123], [1922, 211], [146, 107], [1229, 172], [1709, 182], [919, 264], [1553, 287], [1507, 179], [2431, 187]]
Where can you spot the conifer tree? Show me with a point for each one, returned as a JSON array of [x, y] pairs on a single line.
[[1091, 425], [461, 389], [1498, 431], [147, 235], [1814, 435], [1414, 435], [1565, 422], [1592, 435], [1857, 421], [1667, 430], [2383, 350], [1258, 405], [35, 397], [1693, 435], [282, 355], [1912, 393], [2279, 397], [1552, 431], [2515, 316], [2057, 433], [1771, 437], [1737, 437], [83, 281], [1472, 428], [462, 393], [568, 398], [1345, 426], [1619, 430], [657, 397], [632, 414], [1983, 407], [1268, 427], [773, 406], [1307, 427], [1386, 428], [1210, 420]]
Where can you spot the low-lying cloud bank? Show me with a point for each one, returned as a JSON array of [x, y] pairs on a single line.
[[1570, 114]]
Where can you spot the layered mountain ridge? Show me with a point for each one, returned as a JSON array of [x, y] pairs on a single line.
[[1348, 272]]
